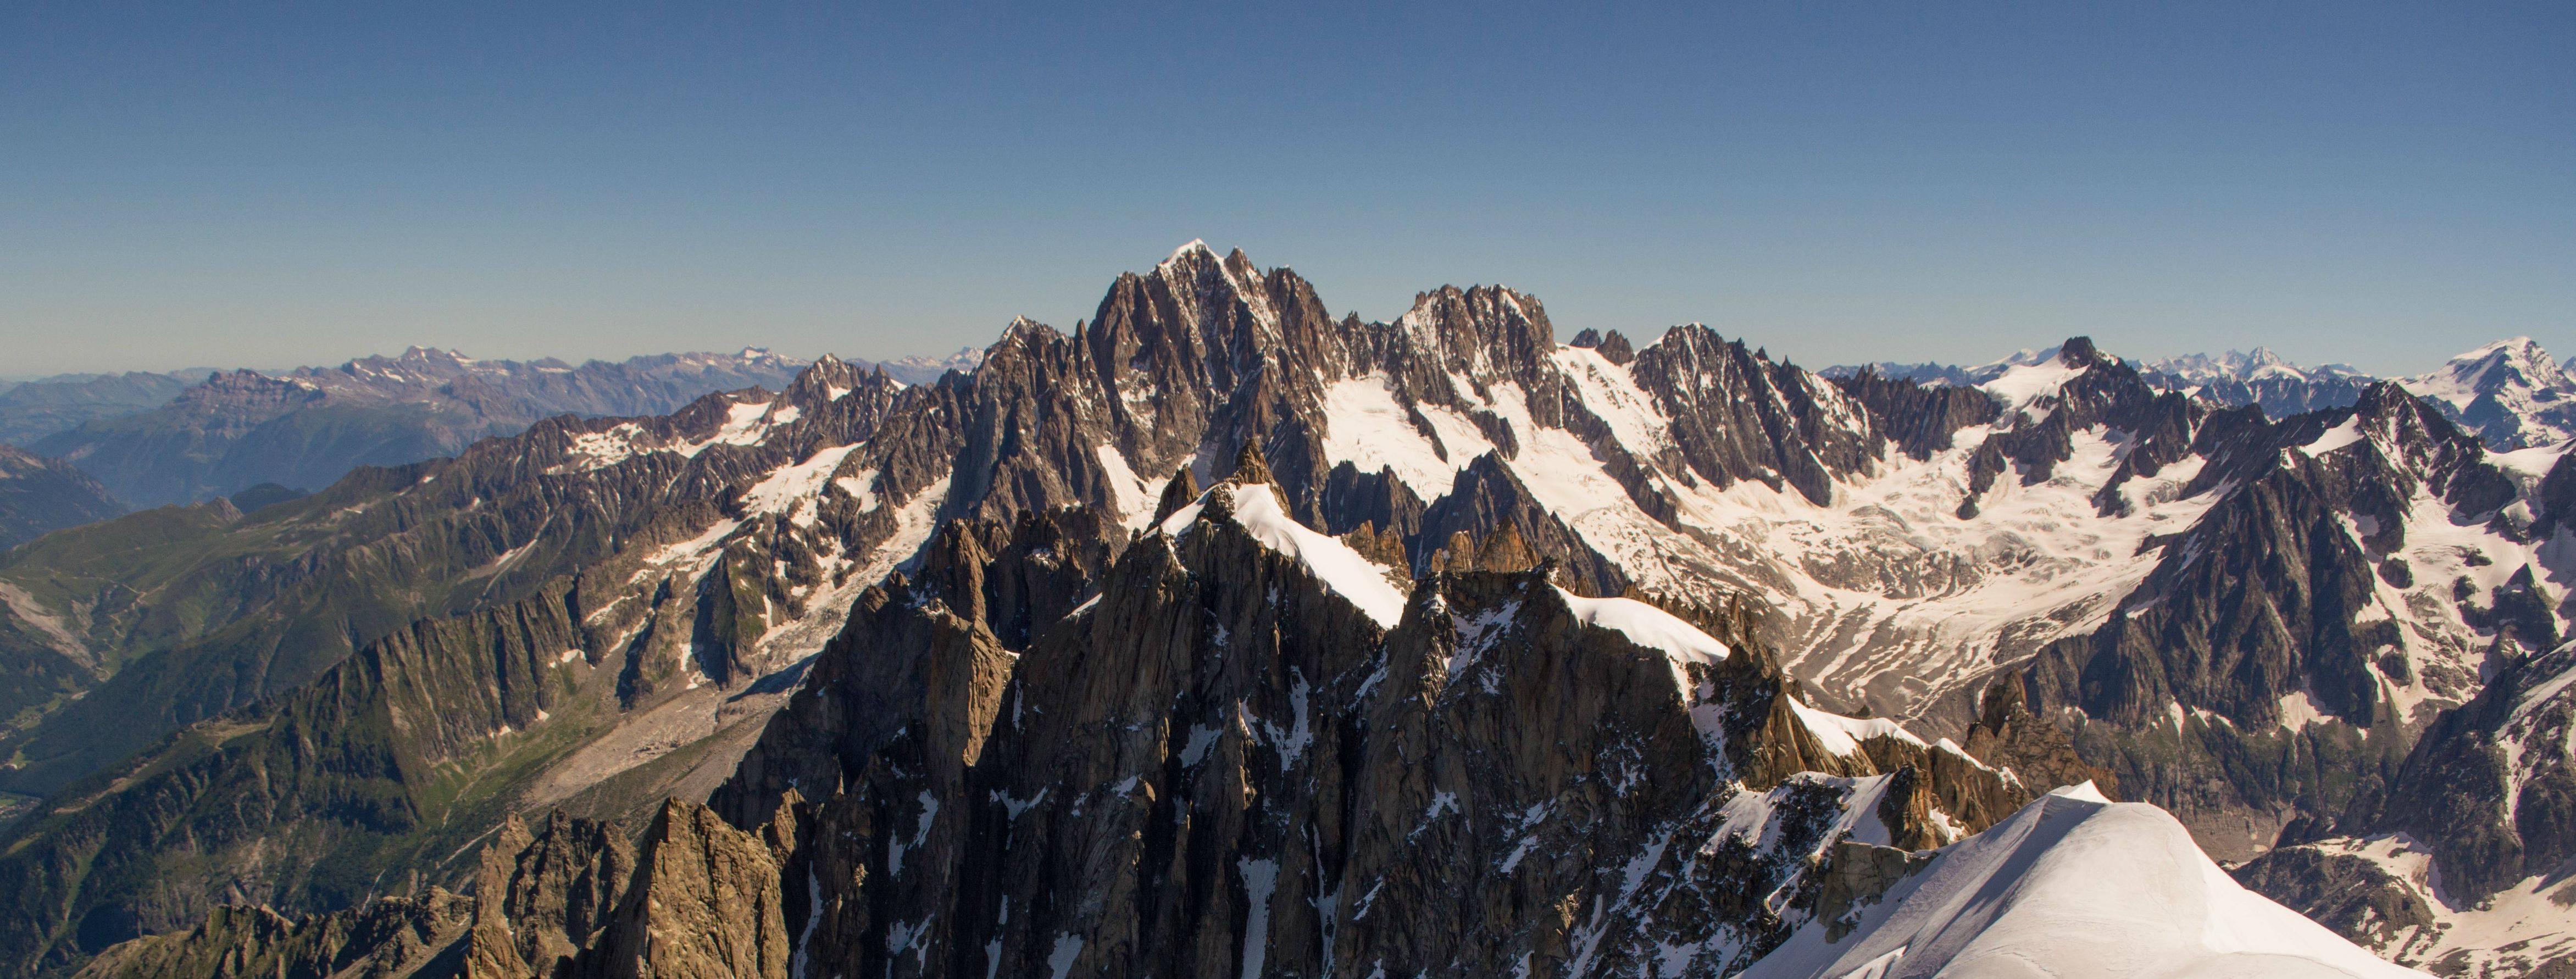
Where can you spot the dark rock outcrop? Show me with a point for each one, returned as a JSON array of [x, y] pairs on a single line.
[[1488, 499]]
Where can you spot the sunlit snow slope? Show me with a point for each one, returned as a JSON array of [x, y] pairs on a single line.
[[2074, 887]]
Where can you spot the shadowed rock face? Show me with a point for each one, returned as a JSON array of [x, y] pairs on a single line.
[[1921, 420], [1738, 416], [2355, 897], [1222, 764], [1488, 499]]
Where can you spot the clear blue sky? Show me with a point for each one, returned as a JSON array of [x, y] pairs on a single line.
[[248, 184]]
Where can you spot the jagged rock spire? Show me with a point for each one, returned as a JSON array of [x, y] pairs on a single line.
[[1176, 494], [1249, 467]]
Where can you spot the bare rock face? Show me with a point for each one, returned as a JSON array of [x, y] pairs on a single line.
[[1922, 420], [2354, 896], [2036, 750], [1853, 877], [705, 904], [1736, 415], [542, 899], [1486, 500], [903, 669], [693, 897], [1224, 765]]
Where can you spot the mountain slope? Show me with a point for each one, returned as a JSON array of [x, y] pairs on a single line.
[[39, 495], [1044, 421]]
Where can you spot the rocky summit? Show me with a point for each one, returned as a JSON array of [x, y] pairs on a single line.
[[1222, 634]]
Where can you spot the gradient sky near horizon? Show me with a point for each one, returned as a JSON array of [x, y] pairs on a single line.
[[269, 185]]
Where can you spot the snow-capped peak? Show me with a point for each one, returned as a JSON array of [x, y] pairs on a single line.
[[2020, 387], [2511, 391], [2518, 361], [1195, 246]]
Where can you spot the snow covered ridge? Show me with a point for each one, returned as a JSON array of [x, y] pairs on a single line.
[[1883, 591], [2074, 886], [2259, 364], [1255, 507]]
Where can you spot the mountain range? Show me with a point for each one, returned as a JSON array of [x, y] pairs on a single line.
[[308, 427], [37, 408], [156, 439], [2511, 392], [1222, 634]]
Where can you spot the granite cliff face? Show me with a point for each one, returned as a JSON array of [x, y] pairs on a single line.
[[1638, 646]]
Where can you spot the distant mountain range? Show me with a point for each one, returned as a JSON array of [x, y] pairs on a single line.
[[151, 439], [2511, 392], [42, 407], [917, 369]]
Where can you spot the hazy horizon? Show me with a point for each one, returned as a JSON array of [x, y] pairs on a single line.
[[1966, 359]]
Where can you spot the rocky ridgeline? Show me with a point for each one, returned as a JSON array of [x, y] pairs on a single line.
[[1221, 762], [1133, 709]]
